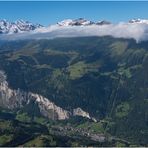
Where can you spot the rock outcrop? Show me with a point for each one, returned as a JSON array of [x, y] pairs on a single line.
[[16, 99], [79, 112]]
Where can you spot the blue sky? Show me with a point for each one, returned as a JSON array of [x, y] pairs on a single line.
[[49, 12]]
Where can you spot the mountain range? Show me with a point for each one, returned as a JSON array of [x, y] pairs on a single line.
[[21, 26], [74, 91]]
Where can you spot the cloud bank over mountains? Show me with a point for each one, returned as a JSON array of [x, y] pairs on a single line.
[[137, 30]]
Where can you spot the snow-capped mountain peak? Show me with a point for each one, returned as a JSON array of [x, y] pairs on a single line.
[[81, 22], [139, 21], [76, 22], [17, 26], [66, 22], [103, 22]]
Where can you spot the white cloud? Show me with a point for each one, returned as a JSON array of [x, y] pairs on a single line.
[[138, 31]]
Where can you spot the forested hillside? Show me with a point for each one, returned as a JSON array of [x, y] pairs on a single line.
[[105, 76]]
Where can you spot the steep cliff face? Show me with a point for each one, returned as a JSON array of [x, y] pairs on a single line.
[[16, 99], [49, 109], [11, 99]]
